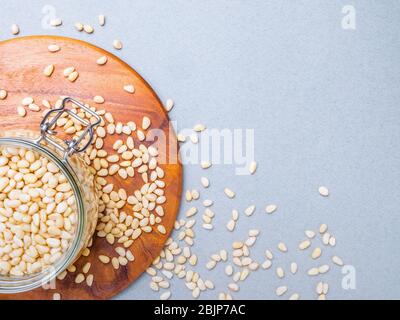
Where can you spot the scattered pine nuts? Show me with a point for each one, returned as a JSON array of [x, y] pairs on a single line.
[[270, 208], [27, 101], [88, 29], [48, 70], [252, 167], [205, 182], [266, 264], [79, 278], [280, 291], [293, 267], [3, 94], [146, 123], [102, 20], [53, 48], [169, 105], [316, 253], [323, 269], [98, 100], [181, 138], [56, 296], [294, 296], [323, 228], [229, 193], [338, 261], [166, 295], [14, 29], [280, 272], [117, 44], [199, 127], [79, 26], [323, 191], [282, 247], [310, 234], [68, 71], [89, 280], [249, 210], [73, 76], [304, 244], [206, 164], [233, 287], [56, 22], [231, 225], [102, 60], [129, 88], [104, 259], [313, 272]]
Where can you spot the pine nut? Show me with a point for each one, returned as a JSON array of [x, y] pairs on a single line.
[[102, 20], [79, 26], [293, 267], [282, 247], [249, 210], [102, 60], [271, 208], [56, 22], [21, 111], [316, 253], [229, 193], [117, 44], [252, 167], [166, 295], [323, 228], [304, 245], [280, 291], [206, 164], [53, 48], [104, 259], [48, 70], [79, 278], [323, 191], [14, 29], [169, 105], [3, 94], [129, 88], [280, 272], [99, 100], [73, 76], [88, 28], [338, 261]]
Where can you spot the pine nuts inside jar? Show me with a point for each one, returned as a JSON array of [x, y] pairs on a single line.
[[48, 206], [48, 214], [38, 216]]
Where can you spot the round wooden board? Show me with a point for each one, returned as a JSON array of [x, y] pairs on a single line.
[[22, 61]]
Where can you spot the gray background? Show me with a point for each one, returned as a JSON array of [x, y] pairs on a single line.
[[324, 105]]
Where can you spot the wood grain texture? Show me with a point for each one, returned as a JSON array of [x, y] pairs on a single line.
[[22, 61]]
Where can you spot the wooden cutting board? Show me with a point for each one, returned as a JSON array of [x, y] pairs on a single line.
[[22, 61]]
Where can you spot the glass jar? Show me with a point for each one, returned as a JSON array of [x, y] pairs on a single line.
[[65, 155]]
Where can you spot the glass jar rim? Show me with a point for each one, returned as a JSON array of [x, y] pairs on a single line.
[[26, 283]]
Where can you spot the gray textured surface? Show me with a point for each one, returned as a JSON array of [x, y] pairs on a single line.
[[324, 105]]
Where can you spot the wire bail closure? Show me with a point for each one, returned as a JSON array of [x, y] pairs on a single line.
[[72, 146]]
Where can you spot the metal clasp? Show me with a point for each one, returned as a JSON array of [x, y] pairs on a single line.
[[71, 146]]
